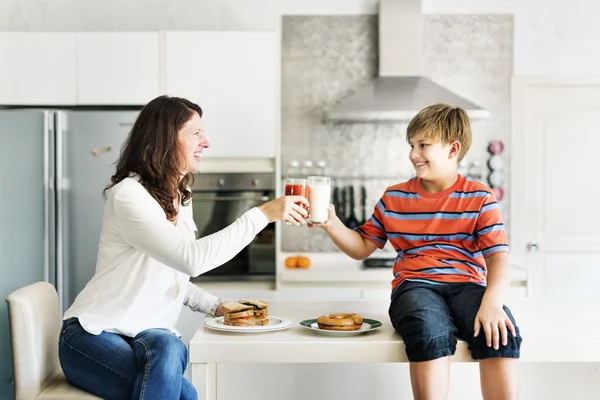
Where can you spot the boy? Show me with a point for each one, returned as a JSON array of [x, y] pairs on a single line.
[[452, 266]]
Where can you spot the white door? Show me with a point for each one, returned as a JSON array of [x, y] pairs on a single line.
[[117, 68], [234, 77], [37, 68], [555, 211]]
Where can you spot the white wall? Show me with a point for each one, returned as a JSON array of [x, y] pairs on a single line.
[[557, 37], [552, 37], [353, 7]]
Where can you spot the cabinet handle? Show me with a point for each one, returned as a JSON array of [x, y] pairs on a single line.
[[532, 247]]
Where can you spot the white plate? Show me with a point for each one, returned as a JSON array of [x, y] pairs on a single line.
[[275, 324], [367, 326]]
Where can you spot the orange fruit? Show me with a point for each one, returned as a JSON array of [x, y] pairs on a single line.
[[303, 262], [291, 262]]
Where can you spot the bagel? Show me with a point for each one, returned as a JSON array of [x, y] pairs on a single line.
[[340, 322]]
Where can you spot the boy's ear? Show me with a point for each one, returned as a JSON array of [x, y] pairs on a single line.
[[454, 149]]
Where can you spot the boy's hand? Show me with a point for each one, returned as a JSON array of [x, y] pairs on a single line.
[[330, 218], [494, 321]]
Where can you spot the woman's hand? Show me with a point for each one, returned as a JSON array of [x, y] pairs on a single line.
[[286, 208], [219, 312]]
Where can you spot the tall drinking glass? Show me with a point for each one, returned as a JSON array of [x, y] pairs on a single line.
[[296, 187], [319, 193]]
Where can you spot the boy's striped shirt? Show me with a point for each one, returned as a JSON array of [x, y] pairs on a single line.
[[438, 237]]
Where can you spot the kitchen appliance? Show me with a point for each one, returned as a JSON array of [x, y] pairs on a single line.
[[401, 89], [218, 200], [53, 167], [55, 164]]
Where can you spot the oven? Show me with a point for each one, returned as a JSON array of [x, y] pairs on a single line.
[[218, 200]]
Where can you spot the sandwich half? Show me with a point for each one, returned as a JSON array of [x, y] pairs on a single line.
[[261, 311], [236, 314]]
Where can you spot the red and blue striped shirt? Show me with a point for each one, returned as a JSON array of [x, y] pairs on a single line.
[[438, 237]]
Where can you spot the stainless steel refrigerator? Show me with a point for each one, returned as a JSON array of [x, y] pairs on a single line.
[[53, 168]]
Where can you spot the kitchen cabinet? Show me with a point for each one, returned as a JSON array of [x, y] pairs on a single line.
[[117, 68], [234, 77], [555, 232], [320, 293], [37, 68]]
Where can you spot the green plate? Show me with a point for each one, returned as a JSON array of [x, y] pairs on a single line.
[[367, 326]]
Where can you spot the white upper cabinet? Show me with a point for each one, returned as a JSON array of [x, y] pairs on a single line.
[[234, 78], [117, 68], [37, 68]]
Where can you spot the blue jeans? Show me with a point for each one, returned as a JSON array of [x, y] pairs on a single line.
[[111, 366]]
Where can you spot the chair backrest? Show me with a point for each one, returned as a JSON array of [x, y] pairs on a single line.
[[35, 323]]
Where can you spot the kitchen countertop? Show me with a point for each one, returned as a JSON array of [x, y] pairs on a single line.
[[337, 267], [577, 339]]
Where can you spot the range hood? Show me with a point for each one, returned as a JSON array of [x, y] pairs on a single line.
[[400, 90]]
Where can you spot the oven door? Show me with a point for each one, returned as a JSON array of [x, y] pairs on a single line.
[[216, 210]]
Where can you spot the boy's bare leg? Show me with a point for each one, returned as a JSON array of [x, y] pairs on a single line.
[[499, 378], [429, 379]]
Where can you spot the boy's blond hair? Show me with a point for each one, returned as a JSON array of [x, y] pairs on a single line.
[[444, 123]]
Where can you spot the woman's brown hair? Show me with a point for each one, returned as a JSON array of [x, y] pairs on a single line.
[[152, 151]]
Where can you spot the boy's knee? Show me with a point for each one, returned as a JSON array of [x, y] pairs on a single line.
[[481, 351], [427, 336], [430, 345]]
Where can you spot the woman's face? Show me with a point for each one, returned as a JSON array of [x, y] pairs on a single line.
[[192, 143]]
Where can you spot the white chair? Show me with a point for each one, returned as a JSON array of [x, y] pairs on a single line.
[[35, 323]]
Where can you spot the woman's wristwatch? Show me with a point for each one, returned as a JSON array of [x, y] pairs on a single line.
[[213, 310]]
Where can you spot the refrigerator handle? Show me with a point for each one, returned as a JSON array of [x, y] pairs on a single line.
[[60, 125], [49, 196]]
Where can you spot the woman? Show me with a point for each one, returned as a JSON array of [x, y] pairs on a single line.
[[118, 339]]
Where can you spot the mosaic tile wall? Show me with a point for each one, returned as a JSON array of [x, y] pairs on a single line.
[[326, 58]]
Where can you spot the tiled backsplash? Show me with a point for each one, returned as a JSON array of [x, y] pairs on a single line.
[[325, 58]]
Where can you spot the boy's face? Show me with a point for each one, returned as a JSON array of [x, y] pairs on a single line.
[[431, 158]]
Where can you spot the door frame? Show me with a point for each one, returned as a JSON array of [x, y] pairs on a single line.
[[531, 261]]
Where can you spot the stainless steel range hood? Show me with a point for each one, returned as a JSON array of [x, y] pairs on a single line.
[[400, 90]]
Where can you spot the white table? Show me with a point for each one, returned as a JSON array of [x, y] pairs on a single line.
[[553, 331]]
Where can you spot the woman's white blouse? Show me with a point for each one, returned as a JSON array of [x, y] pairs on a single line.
[[143, 259]]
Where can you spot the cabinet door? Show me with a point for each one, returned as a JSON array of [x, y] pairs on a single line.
[[117, 68], [37, 68], [555, 232], [320, 293], [234, 77]]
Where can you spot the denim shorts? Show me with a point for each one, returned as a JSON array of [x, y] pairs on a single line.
[[430, 317]]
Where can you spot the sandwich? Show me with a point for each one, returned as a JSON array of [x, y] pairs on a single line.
[[236, 314], [246, 313], [261, 310]]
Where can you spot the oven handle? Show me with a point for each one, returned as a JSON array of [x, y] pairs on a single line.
[[233, 198]]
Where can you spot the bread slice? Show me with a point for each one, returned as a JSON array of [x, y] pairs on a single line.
[[233, 307], [257, 304], [241, 314], [261, 321]]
